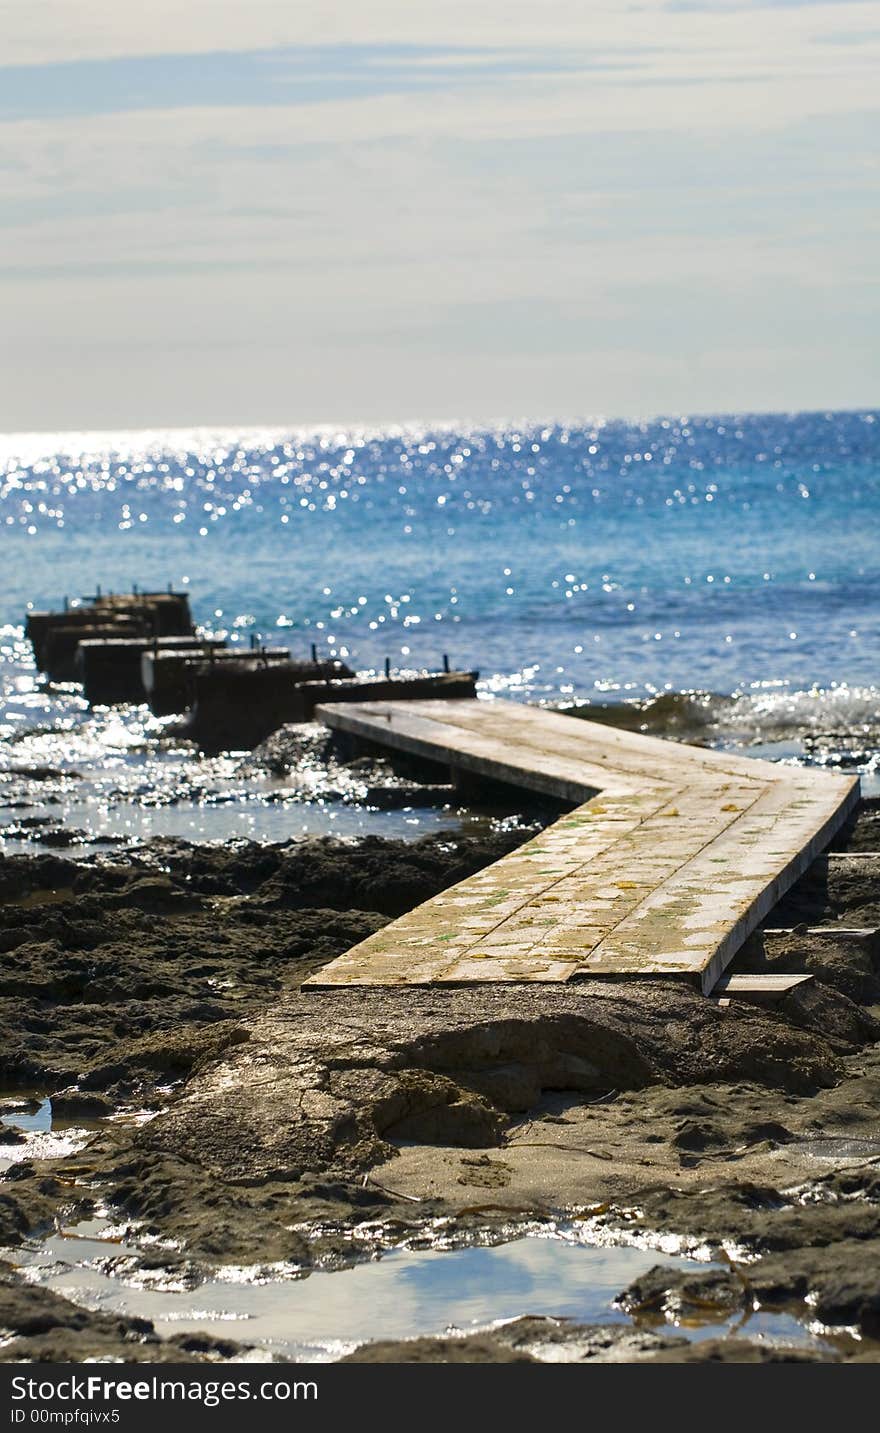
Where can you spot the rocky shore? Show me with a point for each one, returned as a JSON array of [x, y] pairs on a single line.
[[225, 1116]]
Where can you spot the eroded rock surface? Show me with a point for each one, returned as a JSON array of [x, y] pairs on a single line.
[[308, 1127]]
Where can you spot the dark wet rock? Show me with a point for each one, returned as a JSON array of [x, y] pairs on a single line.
[[837, 1284], [72, 1103], [848, 965], [61, 836], [290, 748], [42, 773], [550, 1339], [713, 1294], [430, 1109], [849, 969], [43, 1327], [30, 1199], [758, 1218], [544, 1340], [16, 1106], [211, 1216], [119, 980], [475, 1348], [597, 1035], [289, 1112], [844, 1024], [345, 1076], [171, 1054], [21, 875], [373, 875], [154, 894], [99, 958], [841, 1186], [743, 1350], [840, 1283], [835, 887], [401, 796], [862, 831], [345, 1117]]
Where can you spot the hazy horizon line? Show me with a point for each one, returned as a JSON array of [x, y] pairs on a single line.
[[429, 425]]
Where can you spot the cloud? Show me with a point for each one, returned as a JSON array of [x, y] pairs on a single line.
[[63, 30], [723, 7], [306, 74], [464, 220]]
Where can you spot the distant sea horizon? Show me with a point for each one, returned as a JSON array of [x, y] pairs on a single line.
[[437, 423]]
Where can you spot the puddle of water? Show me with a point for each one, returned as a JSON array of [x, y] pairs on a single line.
[[404, 1293], [41, 1146], [837, 1147], [45, 897], [27, 1118], [192, 821], [320, 1316], [29, 1115], [47, 1136]]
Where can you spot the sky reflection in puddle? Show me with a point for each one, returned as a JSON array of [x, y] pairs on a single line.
[[401, 1295]]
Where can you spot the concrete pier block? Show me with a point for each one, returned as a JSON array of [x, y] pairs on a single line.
[[168, 673], [427, 685], [160, 614], [111, 669], [62, 642], [237, 704]]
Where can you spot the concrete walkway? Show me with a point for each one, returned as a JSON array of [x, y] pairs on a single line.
[[670, 859]]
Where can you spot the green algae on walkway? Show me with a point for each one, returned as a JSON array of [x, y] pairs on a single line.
[[671, 858]]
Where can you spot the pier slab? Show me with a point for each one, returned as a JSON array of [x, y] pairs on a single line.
[[671, 857]]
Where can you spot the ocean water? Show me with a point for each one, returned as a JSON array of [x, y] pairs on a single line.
[[735, 560]]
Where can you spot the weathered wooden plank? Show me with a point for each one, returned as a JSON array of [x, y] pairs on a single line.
[[670, 860]]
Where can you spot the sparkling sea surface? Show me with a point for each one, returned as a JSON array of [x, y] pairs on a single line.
[[735, 560]]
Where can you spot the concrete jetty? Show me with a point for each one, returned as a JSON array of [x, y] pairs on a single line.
[[62, 642], [237, 704], [168, 673], [143, 646], [671, 857]]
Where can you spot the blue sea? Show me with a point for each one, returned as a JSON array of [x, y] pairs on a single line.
[[721, 575]]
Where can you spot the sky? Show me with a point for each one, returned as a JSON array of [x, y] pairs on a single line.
[[264, 212]]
